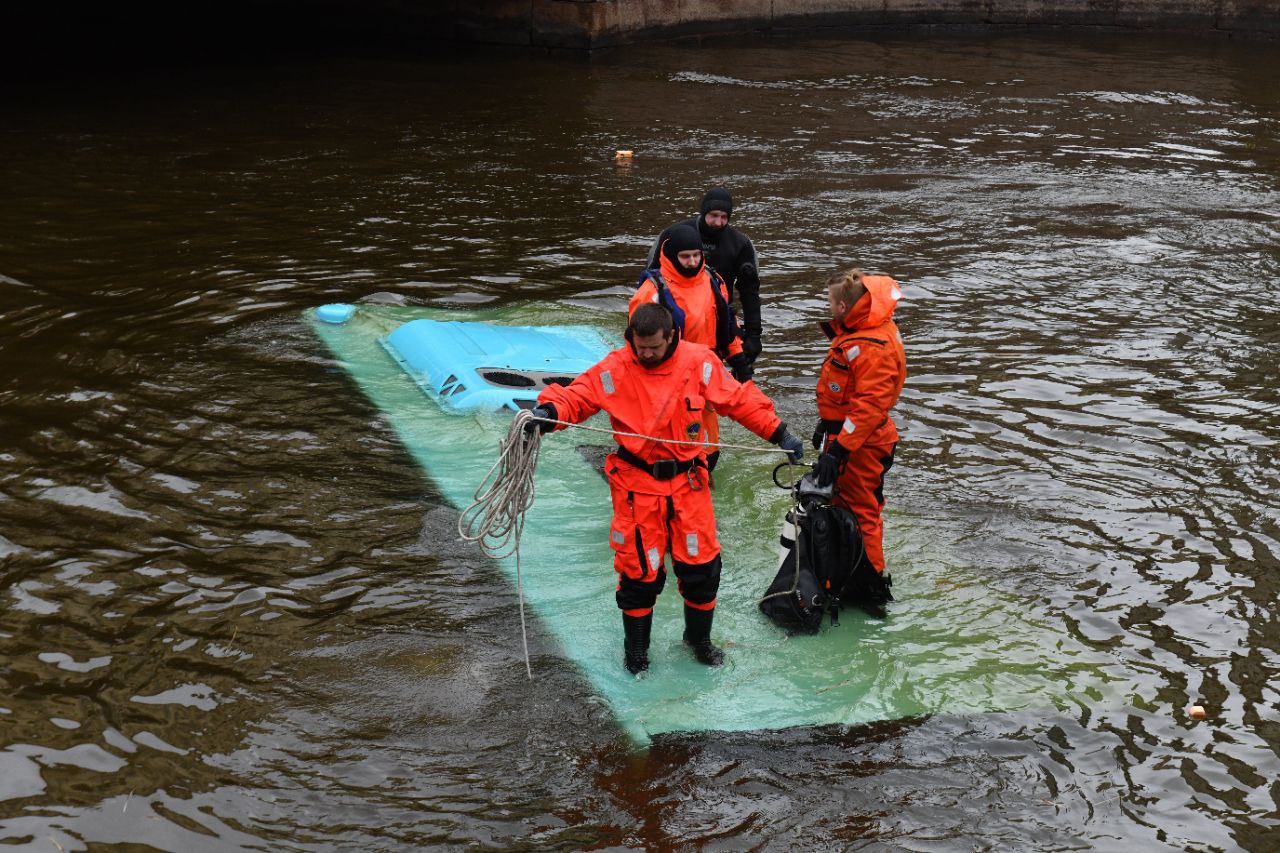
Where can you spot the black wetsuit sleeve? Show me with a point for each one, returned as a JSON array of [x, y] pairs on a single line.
[[748, 286]]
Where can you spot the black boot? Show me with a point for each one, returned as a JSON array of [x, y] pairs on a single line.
[[697, 636], [636, 642]]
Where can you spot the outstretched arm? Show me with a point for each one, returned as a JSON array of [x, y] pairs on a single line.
[[742, 401], [581, 398]]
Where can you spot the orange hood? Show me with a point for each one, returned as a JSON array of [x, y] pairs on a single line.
[[676, 278], [882, 298]]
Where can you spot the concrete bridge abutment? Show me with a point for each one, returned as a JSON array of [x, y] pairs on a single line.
[[587, 24]]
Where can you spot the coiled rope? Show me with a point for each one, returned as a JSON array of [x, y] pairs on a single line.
[[495, 518]]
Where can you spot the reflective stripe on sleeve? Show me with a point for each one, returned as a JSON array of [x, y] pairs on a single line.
[[848, 425], [606, 379]]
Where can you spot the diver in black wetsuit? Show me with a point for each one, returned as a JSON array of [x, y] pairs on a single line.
[[729, 252]]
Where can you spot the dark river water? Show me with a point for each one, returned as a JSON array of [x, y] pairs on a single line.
[[232, 610]]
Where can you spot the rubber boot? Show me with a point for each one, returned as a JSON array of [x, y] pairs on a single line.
[[635, 642], [697, 636]]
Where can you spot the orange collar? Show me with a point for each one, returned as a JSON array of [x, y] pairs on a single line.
[[675, 278]]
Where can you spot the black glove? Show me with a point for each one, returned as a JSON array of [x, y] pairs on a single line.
[[793, 446], [740, 367], [547, 411], [819, 435], [829, 464], [751, 345]]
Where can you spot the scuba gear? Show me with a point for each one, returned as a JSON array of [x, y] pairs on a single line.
[[822, 565], [635, 644], [697, 636]]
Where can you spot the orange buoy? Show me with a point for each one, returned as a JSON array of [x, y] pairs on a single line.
[[622, 154], [1197, 712]]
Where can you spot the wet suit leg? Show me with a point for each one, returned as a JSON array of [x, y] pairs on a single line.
[[638, 536], [860, 489], [695, 558]]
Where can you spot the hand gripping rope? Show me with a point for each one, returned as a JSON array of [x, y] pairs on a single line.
[[495, 518]]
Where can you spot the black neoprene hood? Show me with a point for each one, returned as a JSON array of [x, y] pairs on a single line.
[[717, 199], [682, 238]]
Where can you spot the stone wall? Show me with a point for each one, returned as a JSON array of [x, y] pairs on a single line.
[[600, 23]]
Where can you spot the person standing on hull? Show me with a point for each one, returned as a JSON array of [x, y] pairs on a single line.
[[730, 253], [658, 386], [861, 379], [699, 304]]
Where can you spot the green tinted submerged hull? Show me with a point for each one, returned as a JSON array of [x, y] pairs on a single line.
[[950, 643]]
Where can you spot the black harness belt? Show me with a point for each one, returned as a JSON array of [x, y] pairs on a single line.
[[663, 469]]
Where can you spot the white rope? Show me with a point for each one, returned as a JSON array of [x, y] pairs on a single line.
[[495, 518], [705, 444]]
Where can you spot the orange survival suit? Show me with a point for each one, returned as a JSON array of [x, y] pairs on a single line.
[[861, 379], [703, 320], [660, 497]]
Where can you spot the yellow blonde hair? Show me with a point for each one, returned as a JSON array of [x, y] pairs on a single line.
[[847, 286]]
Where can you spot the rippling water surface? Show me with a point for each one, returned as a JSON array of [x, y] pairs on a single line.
[[232, 611]]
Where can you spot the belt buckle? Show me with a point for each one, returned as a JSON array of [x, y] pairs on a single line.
[[665, 469]]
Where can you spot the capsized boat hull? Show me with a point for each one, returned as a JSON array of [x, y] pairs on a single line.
[[951, 643]]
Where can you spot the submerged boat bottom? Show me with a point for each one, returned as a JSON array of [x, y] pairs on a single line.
[[950, 643]]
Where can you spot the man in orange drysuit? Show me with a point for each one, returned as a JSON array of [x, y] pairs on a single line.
[[699, 303], [860, 382], [659, 386]]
